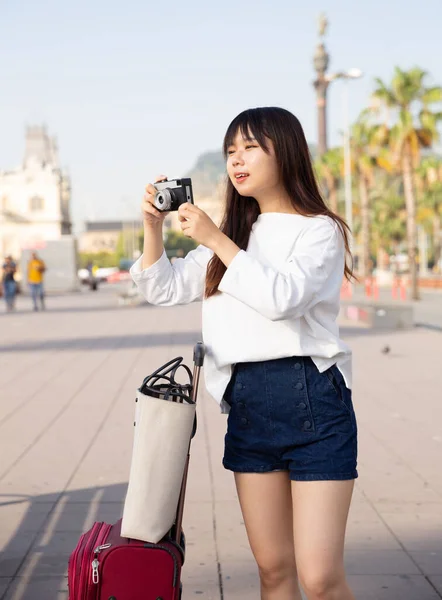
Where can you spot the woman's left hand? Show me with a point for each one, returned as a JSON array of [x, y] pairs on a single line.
[[197, 224]]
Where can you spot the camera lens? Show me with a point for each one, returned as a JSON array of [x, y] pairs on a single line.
[[163, 200]]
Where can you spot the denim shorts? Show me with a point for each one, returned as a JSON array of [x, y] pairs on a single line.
[[287, 416]]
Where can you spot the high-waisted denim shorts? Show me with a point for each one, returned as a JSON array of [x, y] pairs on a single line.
[[286, 415]]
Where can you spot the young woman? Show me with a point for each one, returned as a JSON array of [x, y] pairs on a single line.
[[270, 279]]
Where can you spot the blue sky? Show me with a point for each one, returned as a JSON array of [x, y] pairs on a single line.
[[132, 89]]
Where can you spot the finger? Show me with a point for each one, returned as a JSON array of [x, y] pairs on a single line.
[[160, 178], [148, 208], [187, 233], [181, 218], [187, 206], [150, 189]]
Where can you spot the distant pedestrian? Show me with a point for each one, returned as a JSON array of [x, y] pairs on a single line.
[[36, 269], [9, 283]]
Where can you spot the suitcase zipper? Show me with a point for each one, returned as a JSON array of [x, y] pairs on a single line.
[[84, 569], [95, 563]]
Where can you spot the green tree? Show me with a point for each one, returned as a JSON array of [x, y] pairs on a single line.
[[429, 187], [388, 222], [176, 240], [366, 157], [406, 95], [329, 170], [100, 259]]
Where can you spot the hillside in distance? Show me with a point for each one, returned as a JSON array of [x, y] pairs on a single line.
[[210, 167]]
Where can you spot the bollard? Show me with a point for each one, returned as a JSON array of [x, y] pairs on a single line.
[[395, 288], [403, 290], [375, 289], [368, 286], [346, 289]]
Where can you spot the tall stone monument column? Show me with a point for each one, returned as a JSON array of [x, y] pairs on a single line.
[[320, 62]]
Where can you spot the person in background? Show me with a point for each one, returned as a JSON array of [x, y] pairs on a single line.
[[9, 283], [36, 269]]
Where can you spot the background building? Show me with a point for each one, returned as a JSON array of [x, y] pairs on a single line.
[[103, 236], [34, 197]]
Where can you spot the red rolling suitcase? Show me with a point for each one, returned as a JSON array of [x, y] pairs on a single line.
[[106, 566]]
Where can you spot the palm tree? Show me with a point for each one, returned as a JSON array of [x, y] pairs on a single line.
[[329, 169], [389, 220], [429, 185], [407, 93], [367, 155]]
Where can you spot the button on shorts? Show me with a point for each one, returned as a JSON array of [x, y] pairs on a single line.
[[286, 415]]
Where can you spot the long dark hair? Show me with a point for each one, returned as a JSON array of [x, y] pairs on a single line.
[[296, 174]]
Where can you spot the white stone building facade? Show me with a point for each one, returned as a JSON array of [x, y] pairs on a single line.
[[34, 197]]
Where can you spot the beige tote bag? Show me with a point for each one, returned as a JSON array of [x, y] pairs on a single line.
[[163, 430]]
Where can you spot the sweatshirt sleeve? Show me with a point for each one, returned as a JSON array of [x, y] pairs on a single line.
[[317, 262], [166, 284]]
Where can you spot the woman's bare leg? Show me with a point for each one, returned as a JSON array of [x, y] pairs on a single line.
[[266, 505], [320, 511]]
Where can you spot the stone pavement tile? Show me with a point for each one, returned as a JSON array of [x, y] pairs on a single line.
[[192, 588], [437, 582], [15, 552], [396, 430], [369, 536], [80, 516], [199, 486], [46, 468], [20, 517], [429, 562], [240, 580], [365, 529], [418, 526], [391, 587], [4, 583], [49, 554], [384, 477], [38, 588], [238, 567], [224, 482], [379, 562], [26, 424], [200, 572], [32, 381], [198, 529]]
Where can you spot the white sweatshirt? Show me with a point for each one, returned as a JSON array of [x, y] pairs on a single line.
[[279, 298]]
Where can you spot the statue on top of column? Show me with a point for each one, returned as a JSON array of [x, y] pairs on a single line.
[[322, 24]]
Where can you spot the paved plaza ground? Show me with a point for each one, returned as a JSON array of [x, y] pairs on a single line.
[[67, 382]]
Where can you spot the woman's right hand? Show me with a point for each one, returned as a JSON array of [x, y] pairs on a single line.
[[152, 216]]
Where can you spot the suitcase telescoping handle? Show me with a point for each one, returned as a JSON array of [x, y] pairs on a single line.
[[198, 359]]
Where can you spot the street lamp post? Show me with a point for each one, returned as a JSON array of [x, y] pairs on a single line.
[[320, 61], [346, 76], [323, 80]]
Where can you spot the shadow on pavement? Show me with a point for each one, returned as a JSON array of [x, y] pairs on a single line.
[[77, 309], [33, 564], [141, 340], [34, 560], [146, 340]]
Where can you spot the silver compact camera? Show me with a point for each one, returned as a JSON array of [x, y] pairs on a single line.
[[171, 194]]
